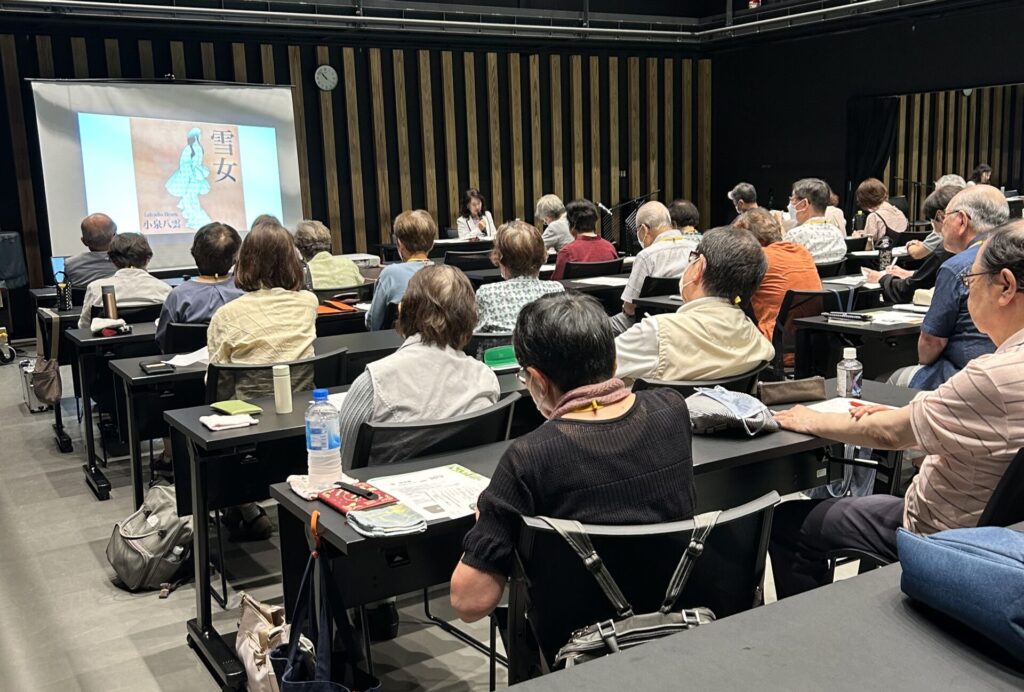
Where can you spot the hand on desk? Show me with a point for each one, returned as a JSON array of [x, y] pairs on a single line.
[[859, 412], [798, 419], [899, 272]]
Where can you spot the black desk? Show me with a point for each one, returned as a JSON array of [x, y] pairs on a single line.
[[882, 348], [658, 304], [47, 295], [853, 635]]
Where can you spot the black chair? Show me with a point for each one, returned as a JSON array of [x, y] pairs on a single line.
[[584, 270], [386, 443], [552, 593], [361, 292], [78, 295], [659, 286], [481, 245], [133, 314], [253, 381], [469, 261], [901, 239], [451, 233], [744, 383], [182, 337], [901, 203], [857, 244], [797, 304], [481, 341], [390, 316], [827, 269]]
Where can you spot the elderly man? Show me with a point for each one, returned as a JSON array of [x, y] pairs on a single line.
[[84, 268], [807, 204], [709, 336], [968, 427], [665, 254], [550, 213], [313, 240], [743, 198], [949, 338], [918, 249]]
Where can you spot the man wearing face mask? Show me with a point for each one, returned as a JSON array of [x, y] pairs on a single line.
[[635, 448], [743, 198], [821, 237], [666, 252], [709, 337]]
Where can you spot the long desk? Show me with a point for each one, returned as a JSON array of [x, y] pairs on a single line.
[[853, 635], [882, 347], [486, 276]]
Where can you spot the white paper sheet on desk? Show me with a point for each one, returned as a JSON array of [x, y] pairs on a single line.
[[852, 280], [547, 267], [840, 405], [865, 253], [184, 360], [337, 399], [446, 492], [603, 281], [895, 317], [910, 307], [365, 307]]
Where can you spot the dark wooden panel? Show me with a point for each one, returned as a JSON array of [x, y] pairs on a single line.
[[961, 132], [595, 130], [950, 133], [113, 51], [355, 153], [380, 148], [940, 130], [687, 129], [576, 105], [915, 140], [972, 130], [1004, 143], [613, 131], [267, 63], [401, 113], [557, 176], [984, 154], [633, 111], [210, 61], [146, 59], [323, 57], [472, 132], [997, 133], [80, 57], [427, 131], [704, 135], [1018, 121], [668, 140], [926, 115], [238, 58], [494, 128], [44, 54], [299, 106], [450, 151], [535, 126], [178, 60], [653, 142], [901, 149], [515, 102]]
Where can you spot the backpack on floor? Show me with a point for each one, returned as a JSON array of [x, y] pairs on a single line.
[[153, 546]]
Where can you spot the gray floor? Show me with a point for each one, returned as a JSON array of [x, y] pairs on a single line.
[[67, 627]]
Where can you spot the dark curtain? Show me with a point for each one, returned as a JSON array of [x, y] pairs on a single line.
[[870, 137]]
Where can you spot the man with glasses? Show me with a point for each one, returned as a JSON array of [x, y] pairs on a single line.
[[949, 338], [825, 241]]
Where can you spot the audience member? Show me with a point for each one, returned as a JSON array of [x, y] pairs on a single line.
[[685, 217], [951, 179], [882, 217], [982, 175], [551, 213], [807, 205], [518, 253], [415, 383], [709, 337], [588, 246], [313, 239], [898, 285], [635, 448], [415, 232], [84, 268], [214, 248], [790, 268], [743, 198], [133, 285], [265, 219], [665, 253], [474, 220], [968, 427], [833, 214], [918, 249], [949, 338]]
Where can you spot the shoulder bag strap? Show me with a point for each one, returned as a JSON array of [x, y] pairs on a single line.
[[579, 541], [54, 331], [703, 523]]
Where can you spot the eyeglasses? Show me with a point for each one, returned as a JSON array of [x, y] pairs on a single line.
[[965, 278], [967, 214]]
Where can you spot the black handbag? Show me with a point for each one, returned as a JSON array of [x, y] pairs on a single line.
[[63, 291], [627, 629]]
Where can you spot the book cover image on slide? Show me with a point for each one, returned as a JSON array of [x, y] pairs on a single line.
[[187, 174]]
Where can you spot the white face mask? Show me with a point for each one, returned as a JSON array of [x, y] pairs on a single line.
[[791, 210]]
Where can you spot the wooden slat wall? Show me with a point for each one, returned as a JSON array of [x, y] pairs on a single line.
[[606, 127], [952, 132]]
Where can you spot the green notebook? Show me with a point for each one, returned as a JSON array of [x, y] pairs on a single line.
[[235, 407]]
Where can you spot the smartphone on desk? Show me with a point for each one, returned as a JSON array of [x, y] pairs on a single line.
[[156, 368]]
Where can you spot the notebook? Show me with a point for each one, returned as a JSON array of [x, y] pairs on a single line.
[[346, 502]]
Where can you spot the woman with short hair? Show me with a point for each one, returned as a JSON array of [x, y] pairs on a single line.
[[133, 285], [313, 239], [605, 456], [415, 232], [873, 197], [519, 253], [474, 220]]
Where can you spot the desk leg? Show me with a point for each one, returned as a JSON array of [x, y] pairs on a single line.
[[134, 446], [212, 650], [94, 478]]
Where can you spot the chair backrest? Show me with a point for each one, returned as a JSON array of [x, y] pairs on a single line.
[[744, 383], [481, 341], [660, 286], [797, 304], [253, 381], [390, 316], [361, 292], [583, 270], [901, 203], [857, 244], [557, 595], [386, 443], [78, 295], [183, 337], [468, 261], [1006, 506], [451, 233], [901, 239], [827, 269], [482, 245], [133, 314]]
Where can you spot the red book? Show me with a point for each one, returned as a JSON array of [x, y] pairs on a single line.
[[346, 502]]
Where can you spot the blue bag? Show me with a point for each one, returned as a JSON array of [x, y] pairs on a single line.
[[975, 576]]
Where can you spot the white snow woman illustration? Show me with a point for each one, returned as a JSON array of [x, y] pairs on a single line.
[[190, 181]]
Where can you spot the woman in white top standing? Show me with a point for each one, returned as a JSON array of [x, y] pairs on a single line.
[[474, 220]]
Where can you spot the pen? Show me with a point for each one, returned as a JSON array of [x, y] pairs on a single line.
[[357, 491]]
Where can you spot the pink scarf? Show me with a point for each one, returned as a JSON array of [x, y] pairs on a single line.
[[591, 396]]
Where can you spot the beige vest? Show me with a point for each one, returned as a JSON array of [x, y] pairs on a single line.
[[707, 339]]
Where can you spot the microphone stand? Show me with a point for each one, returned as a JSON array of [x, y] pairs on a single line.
[[627, 221], [915, 200]]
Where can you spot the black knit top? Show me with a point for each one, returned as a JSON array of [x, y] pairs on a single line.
[[634, 469]]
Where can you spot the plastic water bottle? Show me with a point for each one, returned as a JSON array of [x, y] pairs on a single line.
[[884, 253], [323, 440], [849, 375]]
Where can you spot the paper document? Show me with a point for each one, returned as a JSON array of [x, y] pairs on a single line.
[[865, 253], [337, 399], [841, 405], [184, 360], [852, 280], [447, 492], [547, 267], [910, 307], [900, 251], [603, 281], [363, 259], [365, 307], [895, 317]]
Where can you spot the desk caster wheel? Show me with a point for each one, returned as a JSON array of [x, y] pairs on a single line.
[[7, 354]]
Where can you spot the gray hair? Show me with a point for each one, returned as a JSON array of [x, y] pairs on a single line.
[[985, 209], [743, 192], [735, 263], [312, 237], [549, 207], [653, 215], [951, 179], [1004, 249], [815, 191]]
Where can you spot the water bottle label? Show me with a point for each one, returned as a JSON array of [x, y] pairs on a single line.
[[849, 383], [321, 437]]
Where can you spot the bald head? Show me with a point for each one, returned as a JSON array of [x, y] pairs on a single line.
[[654, 215], [97, 232], [973, 211]]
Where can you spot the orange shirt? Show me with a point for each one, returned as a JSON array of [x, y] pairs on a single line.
[[790, 267]]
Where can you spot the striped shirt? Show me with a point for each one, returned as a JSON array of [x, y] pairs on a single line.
[[972, 427]]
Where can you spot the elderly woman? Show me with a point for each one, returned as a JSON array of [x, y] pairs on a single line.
[[474, 220], [519, 253], [415, 232], [709, 337], [968, 427], [313, 239], [873, 197], [635, 447], [133, 285]]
